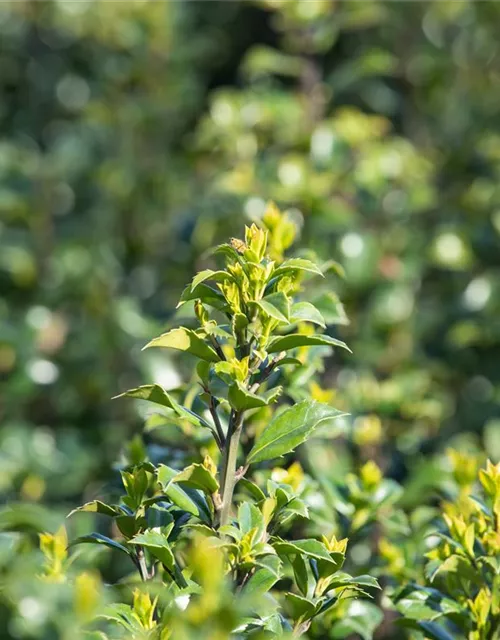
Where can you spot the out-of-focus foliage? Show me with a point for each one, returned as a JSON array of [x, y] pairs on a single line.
[[257, 580], [463, 568], [132, 137]]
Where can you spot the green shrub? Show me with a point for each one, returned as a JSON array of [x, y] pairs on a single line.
[[183, 529], [461, 597]]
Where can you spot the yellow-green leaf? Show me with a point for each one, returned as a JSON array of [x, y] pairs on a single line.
[[293, 340], [290, 428], [184, 339]]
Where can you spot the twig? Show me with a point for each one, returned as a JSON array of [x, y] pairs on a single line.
[[240, 473], [265, 375], [229, 465], [217, 347], [215, 417], [141, 563]]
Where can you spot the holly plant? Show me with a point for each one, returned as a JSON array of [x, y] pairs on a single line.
[[253, 326], [461, 598]]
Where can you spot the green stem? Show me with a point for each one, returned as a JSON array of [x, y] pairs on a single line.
[[215, 418], [300, 628], [141, 563], [229, 461]]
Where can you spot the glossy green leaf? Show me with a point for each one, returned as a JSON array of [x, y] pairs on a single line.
[[302, 608], [294, 340], [260, 582], [300, 573], [310, 548], [297, 264], [297, 507], [252, 489], [208, 274], [241, 399], [366, 581], [268, 572], [290, 428], [96, 506], [187, 340], [157, 394], [98, 538], [459, 565], [205, 293], [190, 500], [136, 484], [198, 477], [276, 305], [129, 525], [307, 312], [431, 630], [157, 543], [250, 517]]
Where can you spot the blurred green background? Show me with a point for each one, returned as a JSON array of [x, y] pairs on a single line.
[[135, 135]]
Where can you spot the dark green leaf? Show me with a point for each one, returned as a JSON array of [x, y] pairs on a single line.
[[189, 500], [206, 294], [157, 543], [129, 525], [432, 630], [97, 538]]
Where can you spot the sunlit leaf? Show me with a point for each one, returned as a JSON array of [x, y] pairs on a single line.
[[297, 264], [306, 312], [158, 545], [290, 428], [294, 340], [96, 506], [184, 339], [276, 305]]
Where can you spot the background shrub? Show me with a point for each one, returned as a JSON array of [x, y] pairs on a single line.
[[134, 136]]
